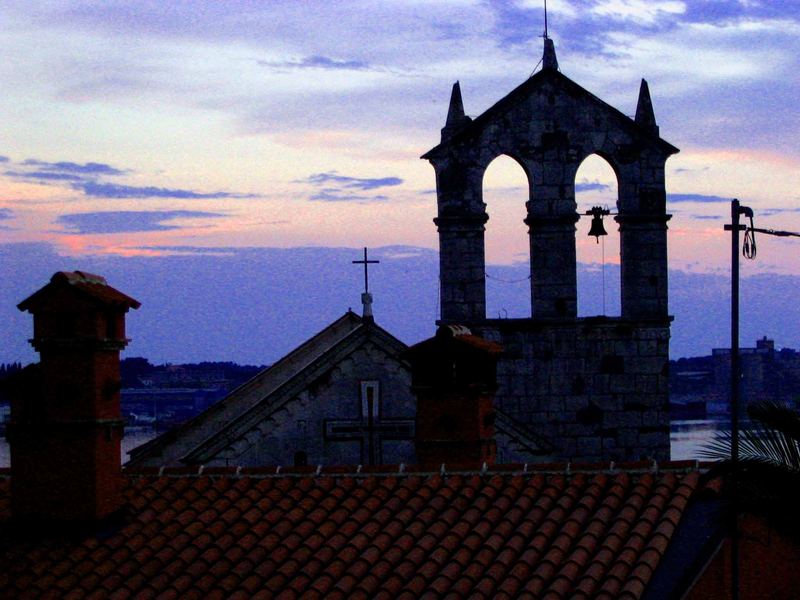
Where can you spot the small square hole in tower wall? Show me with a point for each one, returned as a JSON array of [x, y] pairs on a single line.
[[612, 365]]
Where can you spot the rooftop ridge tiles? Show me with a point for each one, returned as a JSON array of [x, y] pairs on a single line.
[[564, 499], [637, 467]]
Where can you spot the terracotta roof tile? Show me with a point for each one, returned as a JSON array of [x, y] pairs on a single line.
[[369, 535]]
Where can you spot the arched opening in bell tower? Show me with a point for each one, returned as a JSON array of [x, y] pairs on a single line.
[[598, 258], [506, 243]]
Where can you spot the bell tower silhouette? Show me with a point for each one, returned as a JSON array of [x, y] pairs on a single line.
[[596, 386]]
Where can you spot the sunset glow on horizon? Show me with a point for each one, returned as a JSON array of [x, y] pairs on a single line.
[[137, 128]]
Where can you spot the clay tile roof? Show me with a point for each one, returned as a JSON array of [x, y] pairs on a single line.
[[504, 534]]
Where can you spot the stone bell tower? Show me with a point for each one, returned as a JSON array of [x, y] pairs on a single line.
[[595, 386], [66, 426]]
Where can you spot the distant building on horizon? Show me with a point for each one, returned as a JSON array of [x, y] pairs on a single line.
[[767, 374]]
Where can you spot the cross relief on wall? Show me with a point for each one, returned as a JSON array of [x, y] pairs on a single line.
[[372, 428]]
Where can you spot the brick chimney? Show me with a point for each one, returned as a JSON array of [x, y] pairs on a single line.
[[66, 427], [454, 377]]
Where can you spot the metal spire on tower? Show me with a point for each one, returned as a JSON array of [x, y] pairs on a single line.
[[549, 60], [545, 19]]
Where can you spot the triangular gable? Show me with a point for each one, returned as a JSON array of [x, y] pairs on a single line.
[[212, 430], [475, 127], [289, 390]]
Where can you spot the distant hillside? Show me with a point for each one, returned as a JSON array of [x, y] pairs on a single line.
[[137, 372], [253, 305]]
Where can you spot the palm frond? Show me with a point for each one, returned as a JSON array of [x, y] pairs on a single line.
[[768, 475], [719, 448], [777, 416], [773, 438]]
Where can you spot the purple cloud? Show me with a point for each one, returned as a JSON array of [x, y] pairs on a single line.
[[88, 178], [89, 168], [44, 176], [696, 198], [96, 189], [126, 221], [359, 183], [333, 187], [331, 195], [43, 171], [5, 214], [591, 186], [318, 62]]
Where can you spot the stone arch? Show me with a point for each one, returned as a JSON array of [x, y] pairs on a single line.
[[567, 378], [597, 184], [549, 125], [505, 193]]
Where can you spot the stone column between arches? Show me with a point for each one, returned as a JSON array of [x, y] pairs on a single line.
[[462, 274], [642, 222], [551, 222], [461, 222]]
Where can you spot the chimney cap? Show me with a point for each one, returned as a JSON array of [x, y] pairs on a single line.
[[453, 338], [87, 285], [463, 336]]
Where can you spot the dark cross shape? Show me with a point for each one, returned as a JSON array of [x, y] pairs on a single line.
[[371, 433], [366, 262], [370, 430]]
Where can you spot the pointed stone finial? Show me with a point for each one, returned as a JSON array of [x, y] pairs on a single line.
[[645, 117], [549, 60], [455, 113]]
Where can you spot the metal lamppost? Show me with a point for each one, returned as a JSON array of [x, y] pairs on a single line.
[[735, 227], [749, 251]]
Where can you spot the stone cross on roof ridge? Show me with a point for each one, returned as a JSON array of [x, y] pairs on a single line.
[[366, 297]]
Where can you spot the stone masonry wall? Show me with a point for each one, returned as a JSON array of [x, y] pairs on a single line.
[[299, 425], [596, 387]]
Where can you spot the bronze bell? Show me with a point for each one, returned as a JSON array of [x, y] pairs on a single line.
[[597, 228]]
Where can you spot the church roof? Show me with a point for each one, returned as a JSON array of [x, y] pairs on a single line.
[[473, 127], [556, 531], [212, 429]]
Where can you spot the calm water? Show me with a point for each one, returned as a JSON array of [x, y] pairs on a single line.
[[687, 438], [133, 437]]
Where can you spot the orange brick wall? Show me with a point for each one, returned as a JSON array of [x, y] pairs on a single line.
[[769, 566]]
